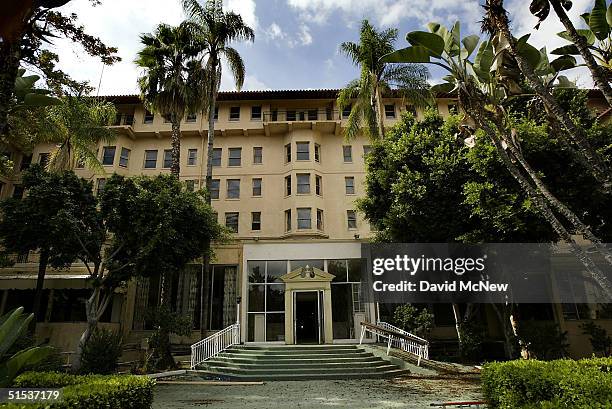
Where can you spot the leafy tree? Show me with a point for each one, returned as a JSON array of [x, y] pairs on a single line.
[[174, 80], [601, 342], [24, 26], [376, 79], [414, 320]]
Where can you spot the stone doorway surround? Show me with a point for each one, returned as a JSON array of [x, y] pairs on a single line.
[[308, 279]]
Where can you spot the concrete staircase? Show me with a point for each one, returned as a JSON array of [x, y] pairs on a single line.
[[299, 362]]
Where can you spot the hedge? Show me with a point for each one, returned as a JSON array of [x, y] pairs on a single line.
[[529, 384], [89, 391]]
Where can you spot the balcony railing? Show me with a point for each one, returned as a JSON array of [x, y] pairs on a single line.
[[301, 115], [124, 119]]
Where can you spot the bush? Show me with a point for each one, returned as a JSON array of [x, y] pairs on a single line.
[[601, 342], [527, 384], [89, 391], [472, 339], [543, 340], [411, 319], [101, 352]]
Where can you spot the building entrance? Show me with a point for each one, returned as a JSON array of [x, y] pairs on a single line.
[[307, 310]]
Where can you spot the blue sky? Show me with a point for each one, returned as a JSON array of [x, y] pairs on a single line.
[[296, 44]]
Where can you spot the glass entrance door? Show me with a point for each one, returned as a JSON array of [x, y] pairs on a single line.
[[307, 317]]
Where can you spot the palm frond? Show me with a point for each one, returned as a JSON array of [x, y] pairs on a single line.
[[236, 64]]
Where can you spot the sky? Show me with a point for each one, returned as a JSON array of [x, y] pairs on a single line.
[[296, 41]]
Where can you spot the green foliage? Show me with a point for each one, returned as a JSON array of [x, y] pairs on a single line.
[[165, 321], [90, 391], [12, 326], [529, 384], [411, 319], [543, 339], [101, 352], [473, 335], [600, 340]]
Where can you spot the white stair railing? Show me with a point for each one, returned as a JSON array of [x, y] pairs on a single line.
[[398, 338], [214, 344]]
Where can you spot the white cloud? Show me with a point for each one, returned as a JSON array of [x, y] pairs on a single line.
[[246, 8], [304, 35], [252, 83], [274, 32]]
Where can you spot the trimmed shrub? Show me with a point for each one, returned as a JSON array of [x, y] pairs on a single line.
[[89, 391], [527, 384], [101, 352]]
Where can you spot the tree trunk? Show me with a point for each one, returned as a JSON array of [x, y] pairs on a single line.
[[598, 167], [458, 321], [597, 71], [175, 168], [378, 110], [93, 311], [40, 283], [9, 64], [509, 336]]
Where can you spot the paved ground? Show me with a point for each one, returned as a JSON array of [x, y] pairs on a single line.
[[354, 394]]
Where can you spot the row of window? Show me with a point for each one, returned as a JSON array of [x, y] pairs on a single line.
[[304, 220]]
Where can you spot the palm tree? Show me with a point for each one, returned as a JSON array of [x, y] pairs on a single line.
[[376, 79], [215, 29], [174, 80]]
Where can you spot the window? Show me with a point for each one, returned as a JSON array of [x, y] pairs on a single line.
[[288, 185], [347, 152], [150, 159], [26, 161], [234, 157], [257, 187], [291, 115], [192, 157], [390, 111], [17, 192], [317, 152], [319, 219], [257, 155], [318, 185], [288, 152], [191, 118], [148, 117], [303, 214], [167, 158], [349, 184], [216, 114], [190, 184], [255, 220], [411, 109], [288, 220], [231, 221], [43, 159], [233, 188], [214, 188], [303, 183], [216, 156], [234, 114], [303, 151], [108, 155], [312, 115], [346, 111], [100, 185], [351, 218], [124, 158], [256, 113], [128, 119], [366, 150]]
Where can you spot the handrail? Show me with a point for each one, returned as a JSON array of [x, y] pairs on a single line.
[[398, 338], [214, 344], [301, 114]]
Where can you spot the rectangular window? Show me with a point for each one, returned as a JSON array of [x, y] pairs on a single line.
[[233, 188], [256, 221], [100, 186], [26, 161], [257, 155], [108, 155], [318, 185], [291, 115], [303, 183], [231, 221], [43, 159], [317, 152], [216, 156], [234, 114], [214, 188], [411, 109], [18, 192], [312, 115], [234, 158], [351, 218], [256, 113], [148, 117], [216, 114], [124, 158], [347, 153], [288, 153], [288, 185], [390, 111], [319, 219], [349, 184], [303, 150], [191, 118], [128, 119], [288, 220], [257, 187], [192, 157], [190, 184], [303, 215], [346, 111], [366, 150], [150, 159], [167, 158]]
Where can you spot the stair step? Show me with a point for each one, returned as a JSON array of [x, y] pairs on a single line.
[[296, 360], [302, 371], [294, 365], [315, 376], [264, 356], [294, 352], [293, 347]]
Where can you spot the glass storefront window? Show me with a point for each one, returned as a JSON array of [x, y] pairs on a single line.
[[303, 263], [275, 327], [338, 269], [275, 270], [257, 271], [256, 298], [354, 270], [275, 297]]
